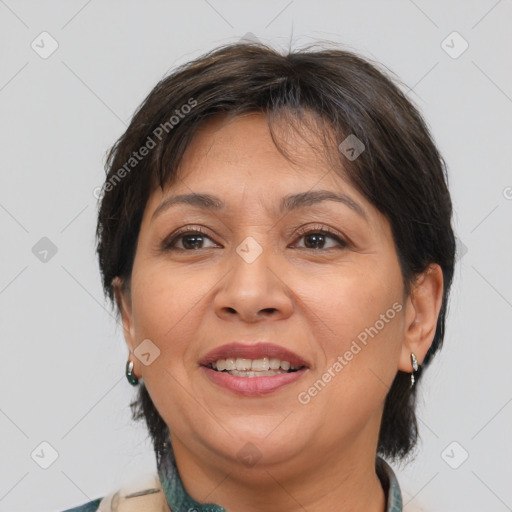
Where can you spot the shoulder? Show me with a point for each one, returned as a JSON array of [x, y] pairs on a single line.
[[91, 506]]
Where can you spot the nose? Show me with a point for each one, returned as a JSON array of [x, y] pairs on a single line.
[[253, 291]]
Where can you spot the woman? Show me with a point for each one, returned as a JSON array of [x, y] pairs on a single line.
[[275, 231]]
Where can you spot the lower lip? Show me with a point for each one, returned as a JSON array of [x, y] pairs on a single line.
[[252, 386]]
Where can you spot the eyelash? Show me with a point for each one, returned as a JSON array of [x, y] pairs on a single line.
[[307, 230]]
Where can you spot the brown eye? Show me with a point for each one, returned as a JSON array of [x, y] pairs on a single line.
[[191, 240], [316, 239]]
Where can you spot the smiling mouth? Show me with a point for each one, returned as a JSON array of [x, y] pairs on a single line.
[[264, 367]]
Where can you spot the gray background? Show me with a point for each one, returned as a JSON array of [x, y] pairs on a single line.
[[62, 356]]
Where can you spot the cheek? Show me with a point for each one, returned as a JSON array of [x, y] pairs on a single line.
[[167, 305], [348, 301], [360, 349], [360, 332], [167, 310]]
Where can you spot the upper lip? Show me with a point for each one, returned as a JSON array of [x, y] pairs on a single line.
[[252, 351]]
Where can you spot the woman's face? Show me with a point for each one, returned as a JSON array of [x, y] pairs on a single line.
[[277, 261]]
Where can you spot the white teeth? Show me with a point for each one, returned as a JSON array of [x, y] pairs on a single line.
[[230, 364], [261, 366], [275, 364], [243, 364], [221, 365], [269, 373]]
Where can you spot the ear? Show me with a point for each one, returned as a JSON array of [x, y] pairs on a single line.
[[421, 313], [124, 304]]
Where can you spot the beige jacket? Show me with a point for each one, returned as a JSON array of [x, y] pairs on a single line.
[[146, 497]]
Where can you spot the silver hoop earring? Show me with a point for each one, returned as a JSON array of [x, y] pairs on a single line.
[[414, 362], [132, 379]]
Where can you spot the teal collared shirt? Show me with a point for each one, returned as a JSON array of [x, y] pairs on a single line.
[[179, 501]]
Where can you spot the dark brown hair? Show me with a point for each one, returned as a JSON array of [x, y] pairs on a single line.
[[400, 170]]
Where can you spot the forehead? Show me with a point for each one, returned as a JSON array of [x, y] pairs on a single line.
[[247, 138], [235, 163], [237, 157]]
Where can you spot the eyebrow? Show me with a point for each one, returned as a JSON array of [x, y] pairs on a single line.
[[288, 203]]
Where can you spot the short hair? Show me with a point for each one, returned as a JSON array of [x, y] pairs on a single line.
[[400, 171]]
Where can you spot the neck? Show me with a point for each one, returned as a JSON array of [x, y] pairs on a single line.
[[340, 481]]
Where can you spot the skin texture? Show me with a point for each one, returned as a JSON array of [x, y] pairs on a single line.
[[313, 301]]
